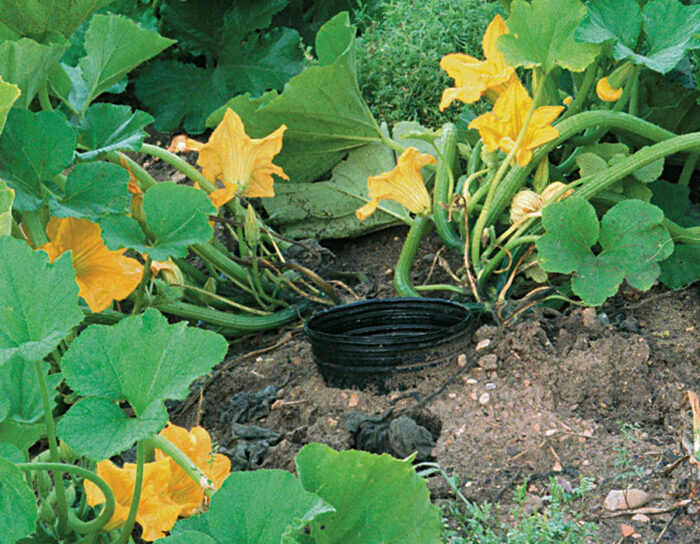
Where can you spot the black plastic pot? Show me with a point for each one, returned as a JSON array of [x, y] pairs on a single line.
[[369, 342]]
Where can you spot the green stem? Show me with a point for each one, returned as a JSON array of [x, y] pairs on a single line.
[[443, 189], [491, 264], [688, 169], [597, 133], [475, 158], [634, 94], [391, 143], [440, 287], [219, 298], [483, 215], [172, 451], [517, 176], [582, 92], [136, 497], [44, 100], [36, 229], [78, 525], [55, 455], [242, 323], [181, 164], [145, 179], [141, 289], [402, 275]]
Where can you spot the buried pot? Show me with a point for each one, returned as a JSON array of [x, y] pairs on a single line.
[[373, 341]]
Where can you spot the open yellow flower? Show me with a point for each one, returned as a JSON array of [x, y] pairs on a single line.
[[606, 92], [473, 77], [157, 512], [500, 128], [402, 184], [196, 444], [242, 164], [102, 275]]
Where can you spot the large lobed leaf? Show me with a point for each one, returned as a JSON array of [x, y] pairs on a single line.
[[109, 127], [378, 499], [261, 507], [631, 237], [18, 511], [39, 301], [671, 29], [34, 147], [541, 35], [8, 96], [28, 64], [34, 17], [176, 215], [323, 109], [142, 360]]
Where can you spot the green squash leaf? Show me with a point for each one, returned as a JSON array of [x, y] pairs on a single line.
[[11, 452], [18, 511], [8, 95], [176, 215], [177, 92], [39, 301], [33, 17], [261, 507], [141, 360], [541, 35], [323, 109], [618, 22], [674, 200], [631, 236], [28, 64], [93, 189], [188, 537], [262, 62], [7, 196], [19, 384], [109, 127], [366, 504], [114, 46], [683, 266], [671, 29], [34, 147], [206, 26], [326, 210]]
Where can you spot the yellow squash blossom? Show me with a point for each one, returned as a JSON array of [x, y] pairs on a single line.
[[473, 77], [196, 444], [242, 164], [402, 184], [157, 512], [500, 128], [102, 275], [605, 91]]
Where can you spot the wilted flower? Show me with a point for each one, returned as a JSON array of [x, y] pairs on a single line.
[[530, 204], [501, 128], [102, 275], [402, 184], [473, 77], [242, 164], [171, 273]]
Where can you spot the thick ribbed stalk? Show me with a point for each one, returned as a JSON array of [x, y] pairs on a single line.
[[515, 179], [402, 274], [443, 190], [242, 323], [78, 525], [36, 229]]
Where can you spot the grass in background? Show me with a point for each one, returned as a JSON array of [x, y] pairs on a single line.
[[399, 55]]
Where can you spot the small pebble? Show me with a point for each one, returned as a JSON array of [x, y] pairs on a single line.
[[484, 398], [641, 518], [472, 381], [462, 360], [619, 499], [483, 344], [488, 362], [490, 386]]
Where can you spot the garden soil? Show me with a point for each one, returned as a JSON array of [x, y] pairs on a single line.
[[552, 394]]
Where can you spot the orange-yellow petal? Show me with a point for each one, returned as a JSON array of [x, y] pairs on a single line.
[[242, 164], [101, 274], [403, 184], [475, 78], [606, 92], [179, 144], [501, 128], [195, 444], [157, 512]]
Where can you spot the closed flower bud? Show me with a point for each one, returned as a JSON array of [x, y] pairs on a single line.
[[553, 189], [251, 229], [525, 204]]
